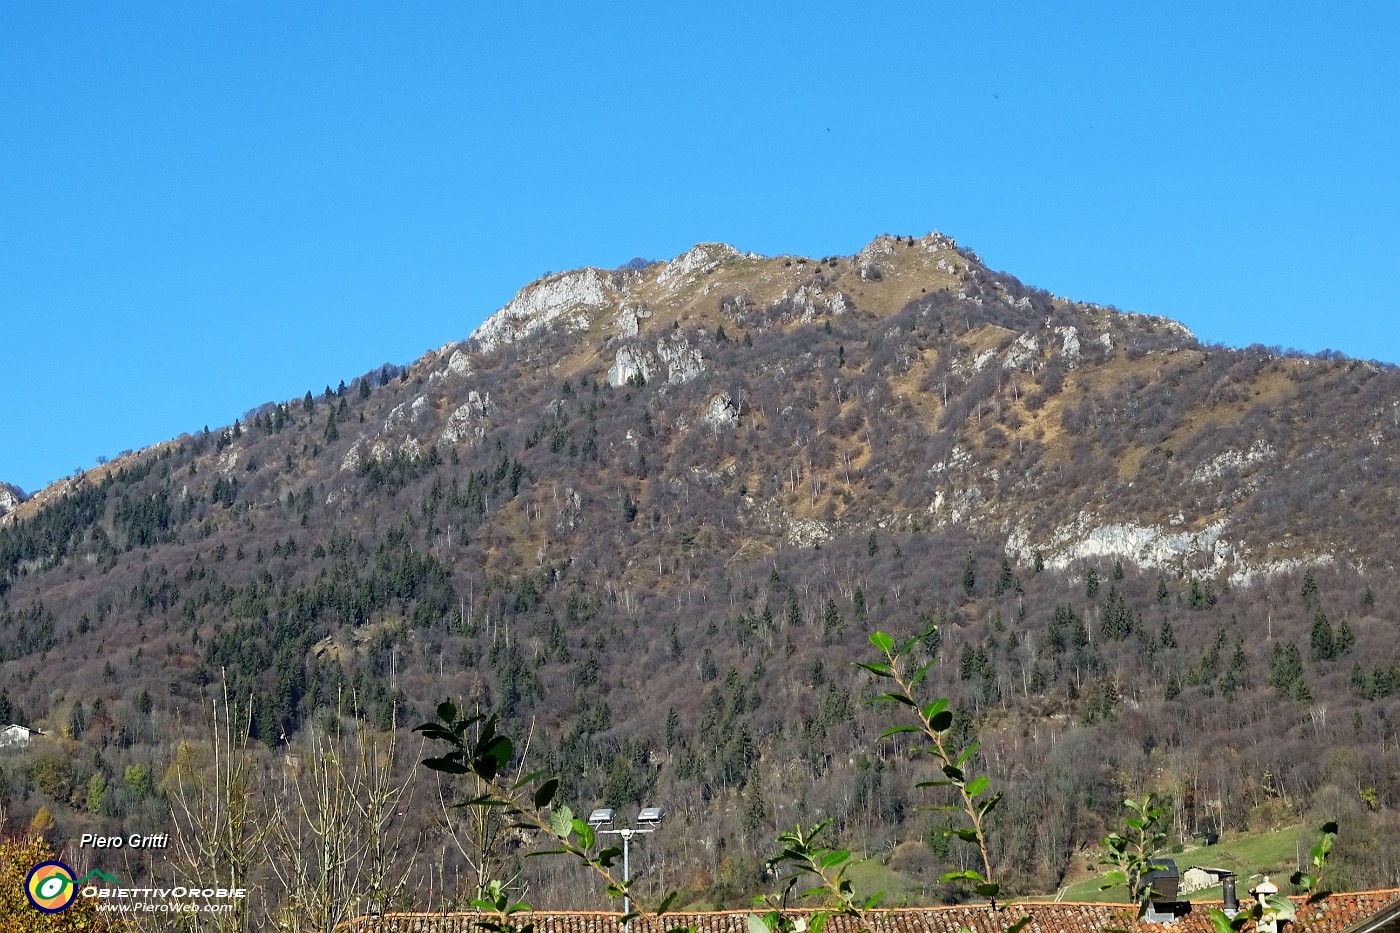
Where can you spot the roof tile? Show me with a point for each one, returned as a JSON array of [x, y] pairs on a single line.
[[1330, 916]]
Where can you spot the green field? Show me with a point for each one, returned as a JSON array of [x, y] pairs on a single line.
[[1274, 854]]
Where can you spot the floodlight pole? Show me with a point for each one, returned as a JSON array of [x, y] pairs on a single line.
[[626, 835]]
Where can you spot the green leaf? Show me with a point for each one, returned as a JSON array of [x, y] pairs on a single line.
[[966, 835], [988, 889], [757, 924], [1220, 920], [609, 856], [882, 641], [545, 793], [920, 674], [954, 774], [435, 732], [942, 722], [561, 820], [966, 754], [934, 708], [666, 902], [893, 698], [988, 805], [446, 765], [879, 670], [447, 711], [1020, 925], [896, 730], [533, 775], [977, 785], [967, 875], [904, 647]]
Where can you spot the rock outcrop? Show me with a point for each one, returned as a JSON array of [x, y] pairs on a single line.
[[10, 498]]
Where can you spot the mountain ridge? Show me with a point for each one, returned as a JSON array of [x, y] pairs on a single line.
[[656, 322]]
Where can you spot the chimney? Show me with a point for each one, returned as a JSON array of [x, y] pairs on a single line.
[[1163, 882], [1232, 900]]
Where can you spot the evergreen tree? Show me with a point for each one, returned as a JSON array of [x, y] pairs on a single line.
[[1345, 638], [673, 728], [832, 623], [1308, 590], [1322, 638], [1006, 580], [1166, 637], [1286, 668], [967, 662]]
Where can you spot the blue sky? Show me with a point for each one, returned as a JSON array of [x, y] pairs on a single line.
[[208, 206]]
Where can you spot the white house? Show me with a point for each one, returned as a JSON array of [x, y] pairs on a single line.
[[15, 736]]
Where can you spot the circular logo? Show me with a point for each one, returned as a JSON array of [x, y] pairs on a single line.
[[50, 887]]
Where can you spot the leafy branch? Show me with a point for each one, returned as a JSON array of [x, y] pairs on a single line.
[[1132, 853], [475, 747], [934, 722], [802, 852]]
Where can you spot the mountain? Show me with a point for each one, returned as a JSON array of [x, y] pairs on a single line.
[[650, 513]]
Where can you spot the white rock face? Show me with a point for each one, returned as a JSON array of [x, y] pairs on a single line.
[[629, 319], [562, 300], [460, 364], [469, 420], [806, 532], [10, 498], [721, 412], [706, 257], [630, 364], [683, 362], [810, 301], [1151, 546], [1232, 462], [1024, 350], [410, 412], [568, 510], [352, 459], [1069, 345], [1247, 574]]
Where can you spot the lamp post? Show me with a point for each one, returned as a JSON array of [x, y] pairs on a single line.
[[647, 819]]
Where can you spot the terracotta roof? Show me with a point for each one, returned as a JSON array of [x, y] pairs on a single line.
[[1334, 915]]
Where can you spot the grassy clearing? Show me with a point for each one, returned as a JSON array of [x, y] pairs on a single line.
[[1274, 854]]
